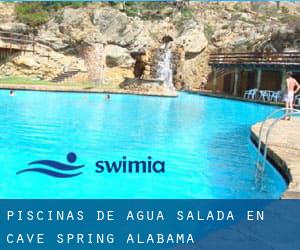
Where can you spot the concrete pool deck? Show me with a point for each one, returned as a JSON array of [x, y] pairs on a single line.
[[284, 151], [80, 89], [231, 97]]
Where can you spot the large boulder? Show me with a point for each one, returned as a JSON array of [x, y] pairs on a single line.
[[152, 87], [52, 39], [76, 26], [74, 18], [43, 64], [194, 69], [136, 36], [14, 27], [111, 23], [286, 37], [25, 61], [118, 56], [192, 37]]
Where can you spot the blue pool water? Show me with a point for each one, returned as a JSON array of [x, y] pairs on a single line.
[[204, 142]]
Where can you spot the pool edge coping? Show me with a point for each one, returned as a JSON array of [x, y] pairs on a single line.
[[280, 164], [234, 98], [64, 89]]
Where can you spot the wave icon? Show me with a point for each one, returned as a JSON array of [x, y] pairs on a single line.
[[57, 169]]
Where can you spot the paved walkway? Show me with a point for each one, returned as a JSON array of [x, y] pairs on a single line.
[[284, 151]]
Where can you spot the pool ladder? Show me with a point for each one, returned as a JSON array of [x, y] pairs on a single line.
[[260, 164]]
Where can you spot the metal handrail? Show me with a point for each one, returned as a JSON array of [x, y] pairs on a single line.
[[292, 112], [269, 131]]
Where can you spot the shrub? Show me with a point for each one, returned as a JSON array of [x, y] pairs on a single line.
[[187, 13], [38, 13], [132, 12], [32, 14], [208, 31], [284, 10]]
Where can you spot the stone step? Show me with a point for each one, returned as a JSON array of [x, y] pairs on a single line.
[[65, 75]]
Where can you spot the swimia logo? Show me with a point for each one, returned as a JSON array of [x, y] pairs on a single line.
[[55, 168], [61, 170]]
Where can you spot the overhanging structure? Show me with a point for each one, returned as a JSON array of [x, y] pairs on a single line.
[[256, 64]]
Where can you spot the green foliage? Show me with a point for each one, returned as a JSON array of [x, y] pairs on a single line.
[[54, 6], [132, 12], [21, 80], [38, 13], [284, 10], [37, 82], [148, 10], [208, 31], [187, 13], [239, 7], [32, 14]]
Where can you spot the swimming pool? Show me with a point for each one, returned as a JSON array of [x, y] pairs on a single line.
[[204, 142]]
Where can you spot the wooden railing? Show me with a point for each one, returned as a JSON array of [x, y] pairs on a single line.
[[255, 58], [16, 41]]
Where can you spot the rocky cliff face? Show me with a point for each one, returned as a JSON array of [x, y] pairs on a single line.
[[130, 42]]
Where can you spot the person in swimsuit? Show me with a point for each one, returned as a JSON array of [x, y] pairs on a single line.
[[203, 83], [292, 88]]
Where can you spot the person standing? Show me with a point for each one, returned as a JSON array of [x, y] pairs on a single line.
[[292, 88], [203, 83]]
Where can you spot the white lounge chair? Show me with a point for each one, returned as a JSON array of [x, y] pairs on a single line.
[[250, 94], [264, 95], [275, 96], [246, 94]]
